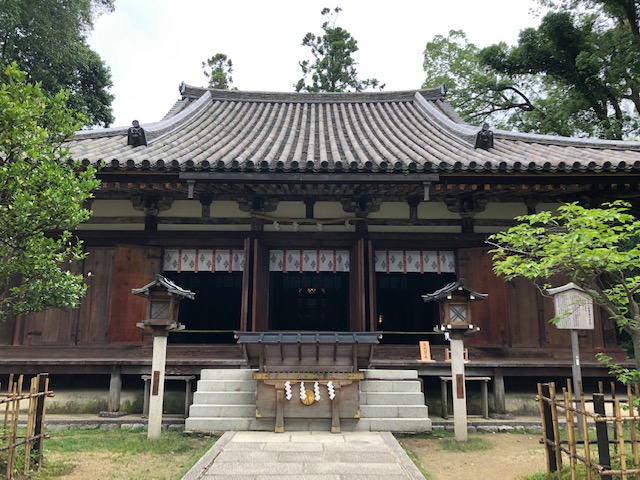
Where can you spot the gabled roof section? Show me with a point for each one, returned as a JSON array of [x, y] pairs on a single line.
[[448, 289], [162, 281], [393, 132]]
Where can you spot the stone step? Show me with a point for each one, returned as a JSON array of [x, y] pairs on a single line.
[[391, 398], [208, 424], [394, 411], [226, 386], [209, 410], [216, 424], [373, 374], [226, 374], [396, 425], [224, 398], [390, 386]]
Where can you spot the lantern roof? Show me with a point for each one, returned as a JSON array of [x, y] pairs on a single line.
[[457, 286], [564, 288], [162, 281]]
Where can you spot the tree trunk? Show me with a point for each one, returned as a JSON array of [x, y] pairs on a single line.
[[635, 337]]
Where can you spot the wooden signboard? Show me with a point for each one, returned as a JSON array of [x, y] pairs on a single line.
[[573, 306]]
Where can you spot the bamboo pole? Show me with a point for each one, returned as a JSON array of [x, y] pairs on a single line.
[[620, 431], [571, 437], [585, 439], [556, 429]]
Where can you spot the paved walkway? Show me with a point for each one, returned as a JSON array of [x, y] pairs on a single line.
[[308, 455]]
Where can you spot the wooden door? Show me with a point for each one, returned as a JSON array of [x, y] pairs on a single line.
[[134, 267], [491, 315], [93, 317]]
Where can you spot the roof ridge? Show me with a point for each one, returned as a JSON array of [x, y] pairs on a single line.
[[581, 142], [192, 92]]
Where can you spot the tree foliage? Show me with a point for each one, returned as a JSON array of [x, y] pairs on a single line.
[[578, 73], [477, 92], [333, 68], [41, 198], [48, 40], [595, 248], [219, 70]]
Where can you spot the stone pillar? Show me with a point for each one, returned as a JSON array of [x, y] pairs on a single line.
[[157, 384], [458, 385]]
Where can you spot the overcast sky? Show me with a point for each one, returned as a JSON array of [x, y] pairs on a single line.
[[151, 46]]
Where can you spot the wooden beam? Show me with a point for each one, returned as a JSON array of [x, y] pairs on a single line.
[[307, 178]]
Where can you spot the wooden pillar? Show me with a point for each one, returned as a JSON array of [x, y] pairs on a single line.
[[115, 389], [499, 396]]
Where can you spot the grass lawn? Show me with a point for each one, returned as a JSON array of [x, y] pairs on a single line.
[[120, 454]]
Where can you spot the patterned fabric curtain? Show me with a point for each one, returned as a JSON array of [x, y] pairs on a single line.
[[203, 260], [414, 261], [308, 260]]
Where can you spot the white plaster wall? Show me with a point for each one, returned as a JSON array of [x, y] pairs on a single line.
[[503, 211], [392, 210], [428, 210], [225, 209], [289, 209], [105, 226], [183, 208], [418, 229], [200, 228], [114, 208], [329, 210]]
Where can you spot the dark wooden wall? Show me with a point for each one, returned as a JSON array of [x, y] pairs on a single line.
[[514, 315]]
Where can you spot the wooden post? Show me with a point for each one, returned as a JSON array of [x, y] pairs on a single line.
[[499, 396], [279, 410], [335, 410], [602, 437], [115, 389], [43, 387], [547, 426]]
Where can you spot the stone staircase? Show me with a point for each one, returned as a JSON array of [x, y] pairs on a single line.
[[390, 400]]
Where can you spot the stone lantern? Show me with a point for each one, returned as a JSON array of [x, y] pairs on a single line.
[[455, 320], [162, 317]]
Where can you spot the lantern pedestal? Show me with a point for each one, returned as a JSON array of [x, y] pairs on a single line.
[[458, 383], [158, 363], [458, 387]]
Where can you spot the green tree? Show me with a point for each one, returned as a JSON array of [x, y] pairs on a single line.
[[218, 69], [477, 92], [48, 40], [41, 198], [595, 248], [579, 72], [333, 68]]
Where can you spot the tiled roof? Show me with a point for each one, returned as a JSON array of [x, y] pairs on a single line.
[[219, 130]]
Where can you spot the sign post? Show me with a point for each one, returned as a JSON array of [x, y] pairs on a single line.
[[574, 308]]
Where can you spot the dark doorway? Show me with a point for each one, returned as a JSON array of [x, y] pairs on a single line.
[[214, 313], [401, 310], [309, 301]]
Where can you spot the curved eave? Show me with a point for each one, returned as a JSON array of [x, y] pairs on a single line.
[[387, 132]]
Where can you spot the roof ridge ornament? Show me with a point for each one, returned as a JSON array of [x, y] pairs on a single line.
[[484, 139], [136, 135]]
